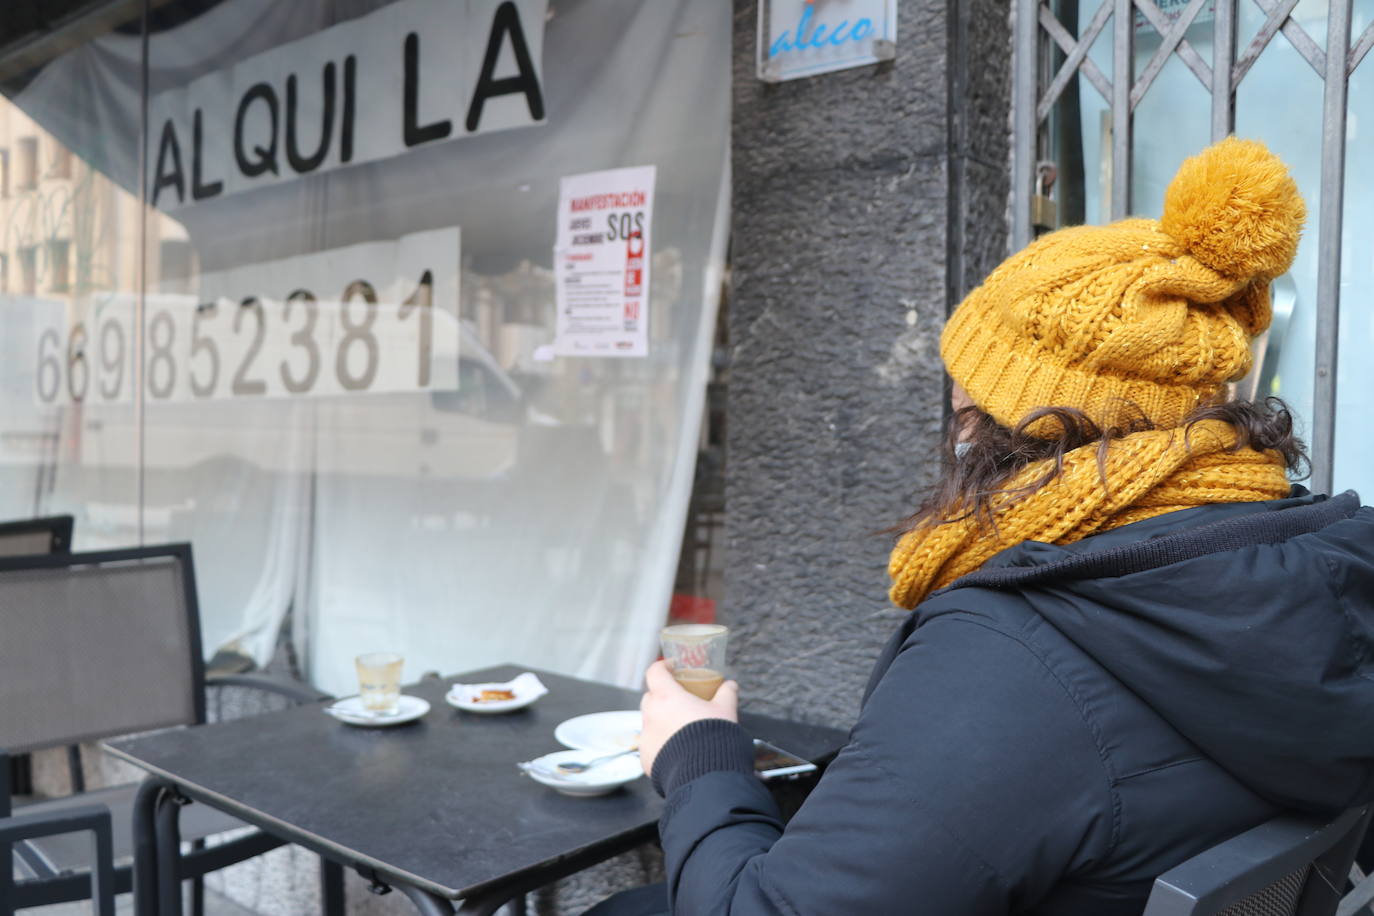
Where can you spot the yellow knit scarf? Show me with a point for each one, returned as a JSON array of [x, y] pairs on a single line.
[[1147, 473]]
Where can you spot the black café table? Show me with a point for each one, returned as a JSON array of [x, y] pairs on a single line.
[[435, 808]]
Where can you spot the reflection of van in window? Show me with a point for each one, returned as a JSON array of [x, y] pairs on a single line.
[[483, 391], [471, 432], [471, 436], [468, 433]]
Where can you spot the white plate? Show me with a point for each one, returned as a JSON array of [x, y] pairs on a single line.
[[599, 780], [350, 710], [601, 731], [527, 688]]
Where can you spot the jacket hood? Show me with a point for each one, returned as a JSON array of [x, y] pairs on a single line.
[[1248, 627]]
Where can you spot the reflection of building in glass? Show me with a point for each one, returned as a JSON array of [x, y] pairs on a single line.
[[66, 230]]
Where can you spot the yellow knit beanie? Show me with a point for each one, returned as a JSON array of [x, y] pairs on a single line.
[[1140, 315]]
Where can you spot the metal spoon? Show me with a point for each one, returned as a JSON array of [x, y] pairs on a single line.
[[575, 766]]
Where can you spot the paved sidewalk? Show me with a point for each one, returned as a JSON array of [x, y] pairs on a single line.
[[215, 905]]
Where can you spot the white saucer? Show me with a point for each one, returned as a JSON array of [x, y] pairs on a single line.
[[350, 710], [527, 688], [601, 731], [599, 780]]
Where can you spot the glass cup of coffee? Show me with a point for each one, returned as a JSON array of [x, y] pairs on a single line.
[[379, 681], [695, 653]]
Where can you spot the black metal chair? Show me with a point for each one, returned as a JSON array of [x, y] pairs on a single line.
[[25, 827], [102, 644], [36, 535], [52, 534], [1289, 866]]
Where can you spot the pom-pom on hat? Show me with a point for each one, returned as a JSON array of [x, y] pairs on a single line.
[[1141, 315]]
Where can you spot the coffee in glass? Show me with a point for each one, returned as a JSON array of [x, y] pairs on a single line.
[[695, 653]]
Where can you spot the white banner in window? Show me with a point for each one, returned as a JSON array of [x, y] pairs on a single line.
[[601, 262], [425, 70]]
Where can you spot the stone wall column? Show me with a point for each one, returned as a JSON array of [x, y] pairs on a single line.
[[865, 202]]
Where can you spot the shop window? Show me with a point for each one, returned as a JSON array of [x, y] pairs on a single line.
[[28, 163], [28, 270], [59, 265], [4, 173], [61, 163], [459, 454]]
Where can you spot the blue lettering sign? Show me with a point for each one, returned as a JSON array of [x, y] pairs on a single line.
[[798, 40]]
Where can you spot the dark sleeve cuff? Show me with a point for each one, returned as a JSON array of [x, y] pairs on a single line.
[[700, 747]]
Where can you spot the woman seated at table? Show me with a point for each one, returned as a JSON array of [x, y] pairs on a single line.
[[1130, 638]]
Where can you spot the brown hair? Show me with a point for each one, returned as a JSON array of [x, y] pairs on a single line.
[[969, 485]]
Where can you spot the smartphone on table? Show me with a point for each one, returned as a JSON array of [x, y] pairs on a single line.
[[771, 762]]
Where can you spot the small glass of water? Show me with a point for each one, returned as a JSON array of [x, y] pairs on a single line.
[[379, 681]]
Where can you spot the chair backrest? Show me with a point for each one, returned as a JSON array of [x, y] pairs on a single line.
[[36, 535], [98, 644], [1290, 866]]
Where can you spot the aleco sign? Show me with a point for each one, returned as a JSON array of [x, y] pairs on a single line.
[[413, 73]]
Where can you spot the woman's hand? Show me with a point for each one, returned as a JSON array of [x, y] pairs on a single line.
[[667, 706]]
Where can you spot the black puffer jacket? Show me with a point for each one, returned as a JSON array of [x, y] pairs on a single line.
[[1050, 734]]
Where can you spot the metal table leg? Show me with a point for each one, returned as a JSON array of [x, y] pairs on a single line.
[[198, 884], [6, 850], [331, 888], [433, 905], [428, 904], [6, 878], [145, 846], [168, 819], [486, 906]]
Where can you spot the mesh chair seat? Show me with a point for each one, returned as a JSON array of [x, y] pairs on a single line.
[[68, 852], [1290, 866], [1278, 899]]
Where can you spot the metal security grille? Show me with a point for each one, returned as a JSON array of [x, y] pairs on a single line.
[[1038, 88]]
